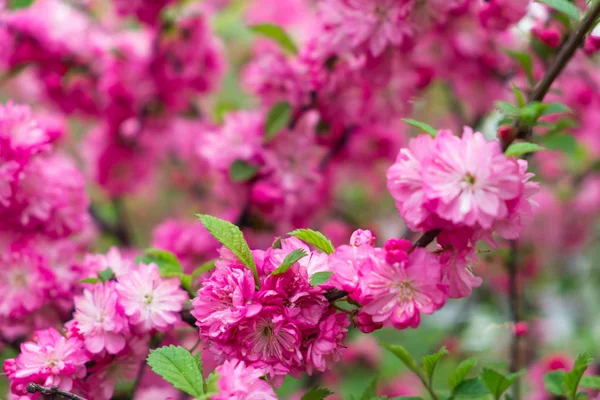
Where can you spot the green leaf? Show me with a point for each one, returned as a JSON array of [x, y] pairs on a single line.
[[207, 266], [277, 34], [106, 275], [89, 280], [231, 237], [572, 378], [590, 382], [563, 6], [507, 108], [498, 383], [555, 108], [520, 148], [277, 119], [178, 367], [370, 391], [315, 238], [553, 382], [404, 356], [520, 97], [431, 361], [241, 171], [168, 263], [289, 260], [406, 398], [422, 126], [461, 372], [316, 393], [319, 278], [17, 4], [525, 61], [470, 389], [277, 243], [559, 141]]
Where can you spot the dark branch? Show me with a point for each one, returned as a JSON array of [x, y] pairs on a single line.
[[53, 391]]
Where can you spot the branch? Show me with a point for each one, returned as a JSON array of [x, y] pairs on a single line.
[[565, 53], [52, 391]]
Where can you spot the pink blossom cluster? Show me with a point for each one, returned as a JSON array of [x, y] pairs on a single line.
[[284, 327], [108, 335]]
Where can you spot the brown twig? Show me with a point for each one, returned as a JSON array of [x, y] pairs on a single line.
[[52, 391]]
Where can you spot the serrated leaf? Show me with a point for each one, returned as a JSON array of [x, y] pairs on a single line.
[[498, 383], [553, 382], [168, 263], [319, 278], [316, 393], [277, 119], [470, 389], [507, 108], [106, 275], [555, 108], [563, 6], [461, 372], [179, 367], [89, 280], [422, 126], [277, 34], [590, 382], [289, 260], [525, 61], [17, 4], [315, 238], [431, 361], [520, 148], [572, 378], [232, 238], [241, 171], [404, 356]]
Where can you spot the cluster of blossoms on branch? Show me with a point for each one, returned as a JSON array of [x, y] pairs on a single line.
[[145, 85]]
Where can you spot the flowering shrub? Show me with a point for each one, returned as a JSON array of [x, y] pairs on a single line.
[[121, 119]]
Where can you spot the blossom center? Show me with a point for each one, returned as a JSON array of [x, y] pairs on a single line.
[[148, 298], [470, 179], [405, 290]]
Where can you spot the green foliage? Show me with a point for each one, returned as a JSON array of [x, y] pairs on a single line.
[[461, 372], [422, 126], [470, 389], [572, 378], [498, 383], [553, 382], [431, 361], [520, 148], [525, 61], [590, 382], [106, 275], [319, 278], [370, 392], [289, 260], [179, 367], [559, 141], [404, 356], [278, 118], [17, 4], [316, 393], [231, 237], [563, 6], [168, 263], [241, 171], [277, 34], [315, 238]]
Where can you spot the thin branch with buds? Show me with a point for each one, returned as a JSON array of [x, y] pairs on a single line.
[[52, 391]]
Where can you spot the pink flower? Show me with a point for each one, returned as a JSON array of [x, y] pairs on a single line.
[[470, 179], [100, 319], [362, 236], [405, 182], [373, 24], [20, 135], [225, 299], [326, 348], [51, 360], [241, 382], [345, 264], [396, 294], [150, 301], [500, 14]]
